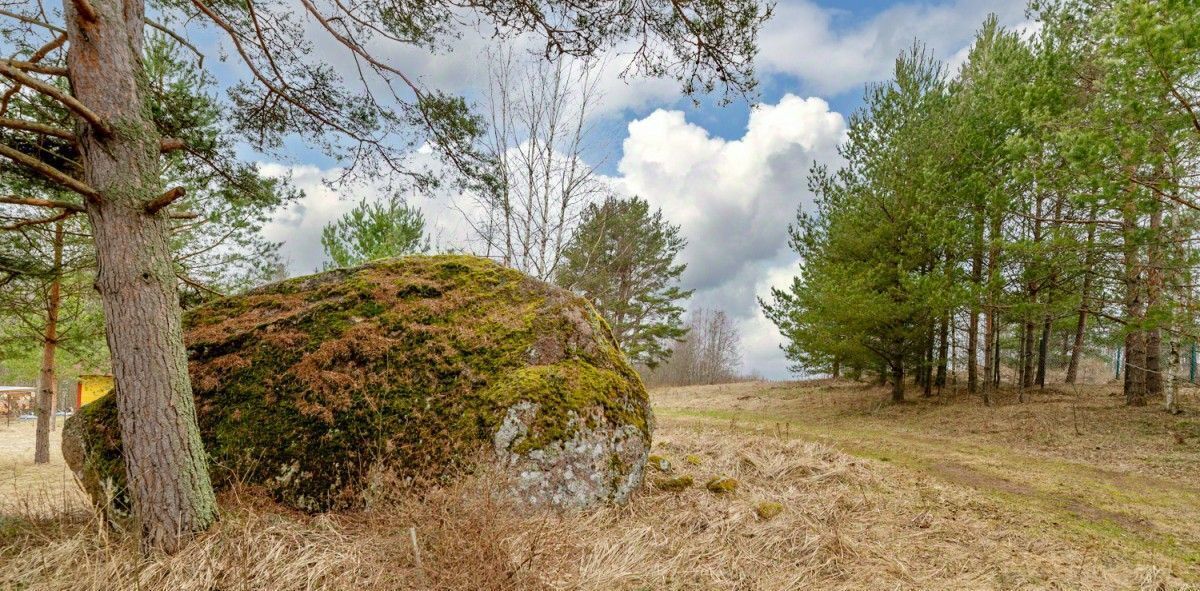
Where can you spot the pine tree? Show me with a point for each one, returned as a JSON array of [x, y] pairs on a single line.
[[374, 231], [622, 258]]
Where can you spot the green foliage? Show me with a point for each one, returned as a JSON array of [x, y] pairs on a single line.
[[1048, 187], [373, 231], [622, 259]]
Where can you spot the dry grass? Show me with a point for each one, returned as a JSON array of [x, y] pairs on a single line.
[[847, 523], [34, 490]]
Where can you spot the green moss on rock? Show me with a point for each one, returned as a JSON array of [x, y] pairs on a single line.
[[674, 483], [693, 460], [407, 366], [767, 510], [721, 485], [659, 463]]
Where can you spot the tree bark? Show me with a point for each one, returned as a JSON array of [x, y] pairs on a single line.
[[988, 340], [1171, 393], [1135, 344], [943, 351], [898, 381], [165, 461], [1154, 286], [48, 385], [1081, 321], [1043, 351]]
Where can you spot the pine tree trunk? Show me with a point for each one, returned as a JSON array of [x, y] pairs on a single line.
[[1043, 351], [1171, 393], [898, 381], [988, 353], [973, 321], [1135, 344], [1154, 285], [1081, 322], [48, 386], [165, 461], [943, 351]]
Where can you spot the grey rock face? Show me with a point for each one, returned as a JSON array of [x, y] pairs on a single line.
[[595, 465]]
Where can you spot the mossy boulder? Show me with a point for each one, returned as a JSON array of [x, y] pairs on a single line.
[[400, 372]]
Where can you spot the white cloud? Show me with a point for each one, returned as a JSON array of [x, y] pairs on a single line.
[[804, 40], [733, 201]]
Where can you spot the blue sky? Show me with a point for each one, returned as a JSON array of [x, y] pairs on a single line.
[[732, 177]]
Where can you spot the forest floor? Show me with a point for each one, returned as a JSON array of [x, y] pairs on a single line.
[[1068, 491]]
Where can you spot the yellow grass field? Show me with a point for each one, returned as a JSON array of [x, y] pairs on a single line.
[[1069, 491]]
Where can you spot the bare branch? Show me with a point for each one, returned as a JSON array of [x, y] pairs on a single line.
[[55, 93], [196, 284], [49, 172], [37, 56], [178, 39], [170, 144], [35, 127], [66, 213], [154, 205], [33, 21], [50, 203], [39, 68]]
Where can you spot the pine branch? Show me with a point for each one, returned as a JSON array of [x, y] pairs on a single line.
[[154, 205], [55, 93], [33, 21], [170, 144], [49, 172], [50, 203], [35, 127], [39, 68], [37, 56], [66, 213]]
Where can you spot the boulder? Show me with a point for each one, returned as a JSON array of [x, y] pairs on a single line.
[[400, 373]]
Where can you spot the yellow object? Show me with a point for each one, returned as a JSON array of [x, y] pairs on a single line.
[[92, 387]]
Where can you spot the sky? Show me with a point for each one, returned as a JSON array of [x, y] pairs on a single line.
[[732, 177]]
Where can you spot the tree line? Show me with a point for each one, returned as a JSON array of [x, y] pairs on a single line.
[[1039, 201]]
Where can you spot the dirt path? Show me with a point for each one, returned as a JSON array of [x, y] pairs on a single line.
[[1130, 512]]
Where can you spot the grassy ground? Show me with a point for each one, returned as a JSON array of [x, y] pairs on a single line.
[[1067, 492], [1074, 464]]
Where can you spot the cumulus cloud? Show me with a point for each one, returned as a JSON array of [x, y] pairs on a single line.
[[733, 200], [805, 41]]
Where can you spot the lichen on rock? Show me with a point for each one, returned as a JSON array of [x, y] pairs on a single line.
[[659, 463], [409, 366]]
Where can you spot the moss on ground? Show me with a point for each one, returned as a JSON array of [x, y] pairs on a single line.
[[721, 484], [674, 483], [307, 385]]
